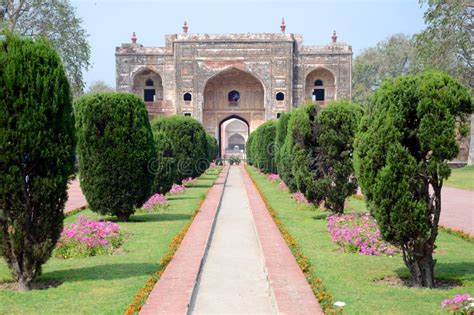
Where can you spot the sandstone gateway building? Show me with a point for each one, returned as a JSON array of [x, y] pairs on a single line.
[[232, 83]]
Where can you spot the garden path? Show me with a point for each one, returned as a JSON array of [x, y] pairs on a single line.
[[457, 209], [233, 278], [75, 199]]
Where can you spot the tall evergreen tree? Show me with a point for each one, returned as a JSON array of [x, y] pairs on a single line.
[[115, 146], [401, 159], [36, 154]]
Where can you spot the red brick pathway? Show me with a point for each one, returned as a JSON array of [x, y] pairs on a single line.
[[292, 293], [457, 209], [75, 199], [172, 294]]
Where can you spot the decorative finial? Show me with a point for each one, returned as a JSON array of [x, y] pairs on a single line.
[[334, 37], [185, 27], [134, 38], [283, 25]]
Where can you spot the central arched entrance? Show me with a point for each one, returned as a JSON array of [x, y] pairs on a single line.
[[233, 101], [232, 136]]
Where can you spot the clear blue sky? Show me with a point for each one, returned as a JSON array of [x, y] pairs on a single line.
[[361, 23]]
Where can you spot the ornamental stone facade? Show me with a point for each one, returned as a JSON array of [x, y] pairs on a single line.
[[220, 78]]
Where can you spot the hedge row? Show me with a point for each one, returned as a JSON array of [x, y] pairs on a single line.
[[123, 159], [312, 151], [400, 148]]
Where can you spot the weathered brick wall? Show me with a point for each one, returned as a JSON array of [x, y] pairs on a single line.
[[280, 62]]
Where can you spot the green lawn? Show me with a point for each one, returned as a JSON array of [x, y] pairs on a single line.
[[462, 177], [350, 277], [107, 284]]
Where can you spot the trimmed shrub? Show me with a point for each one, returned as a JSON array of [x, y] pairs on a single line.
[[212, 148], [115, 147], [283, 153], [189, 144], [316, 157], [263, 147], [164, 165], [248, 148], [333, 171], [301, 138], [280, 135], [37, 154], [401, 154]]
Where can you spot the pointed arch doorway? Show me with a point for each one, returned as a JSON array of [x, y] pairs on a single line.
[[232, 136]]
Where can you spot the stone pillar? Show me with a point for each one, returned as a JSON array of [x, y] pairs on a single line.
[[470, 158]]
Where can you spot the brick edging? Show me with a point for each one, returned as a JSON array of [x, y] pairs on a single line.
[[173, 292], [292, 293]]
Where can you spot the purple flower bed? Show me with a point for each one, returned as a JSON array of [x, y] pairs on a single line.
[[358, 233], [177, 189], [155, 201], [282, 186], [189, 181], [299, 197], [88, 237], [459, 304], [273, 177]]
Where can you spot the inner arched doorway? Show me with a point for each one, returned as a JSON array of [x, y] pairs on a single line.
[[232, 94], [232, 135]]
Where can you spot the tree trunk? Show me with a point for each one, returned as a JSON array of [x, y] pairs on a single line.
[[421, 266], [23, 272], [123, 216], [23, 284]]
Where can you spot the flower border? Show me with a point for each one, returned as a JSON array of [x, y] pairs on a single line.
[[325, 299], [140, 298], [458, 233]]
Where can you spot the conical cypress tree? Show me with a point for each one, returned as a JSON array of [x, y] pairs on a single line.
[[116, 149], [36, 153]]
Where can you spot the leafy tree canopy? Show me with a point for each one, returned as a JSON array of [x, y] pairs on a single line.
[[55, 20], [446, 43]]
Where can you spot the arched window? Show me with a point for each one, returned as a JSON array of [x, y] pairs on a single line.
[[149, 82], [187, 97], [233, 97], [280, 96], [318, 83]]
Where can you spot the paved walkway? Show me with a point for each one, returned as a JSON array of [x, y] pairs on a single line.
[[233, 278], [75, 199], [233, 260], [457, 209]]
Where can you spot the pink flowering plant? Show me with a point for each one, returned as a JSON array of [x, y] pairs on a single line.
[[459, 304], [299, 197], [177, 189], [188, 182], [155, 203], [89, 237], [273, 177], [282, 186], [358, 233]]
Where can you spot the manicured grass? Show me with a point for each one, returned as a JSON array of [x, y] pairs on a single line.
[[462, 177], [107, 284], [350, 277]]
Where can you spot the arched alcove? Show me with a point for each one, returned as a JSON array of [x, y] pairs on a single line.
[[232, 92], [320, 86], [148, 85]]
